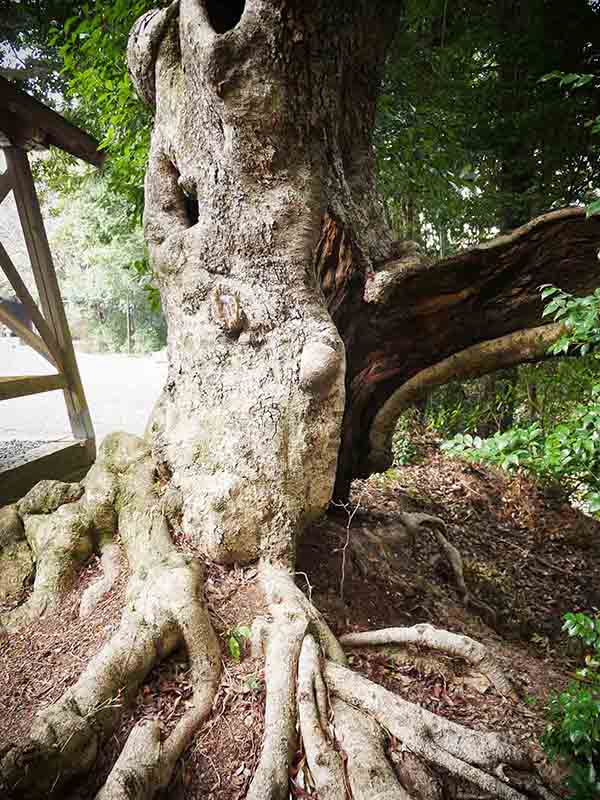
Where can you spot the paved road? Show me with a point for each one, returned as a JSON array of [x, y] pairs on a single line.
[[120, 390]]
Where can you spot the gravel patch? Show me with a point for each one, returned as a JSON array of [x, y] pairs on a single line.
[[13, 450]]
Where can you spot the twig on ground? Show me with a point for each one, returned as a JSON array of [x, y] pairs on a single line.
[[351, 512]]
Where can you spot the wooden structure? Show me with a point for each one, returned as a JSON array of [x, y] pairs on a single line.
[[26, 124]]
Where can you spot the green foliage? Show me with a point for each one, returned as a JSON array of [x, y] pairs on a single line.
[[466, 128], [569, 454], [573, 81], [476, 407], [100, 259], [573, 732], [580, 315], [404, 449], [26, 52], [564, 448], [517, 447], [470, 137], [237, 641], [93, 45]]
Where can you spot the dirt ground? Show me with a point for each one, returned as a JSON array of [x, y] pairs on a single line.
[[528, 555], [107, 379]]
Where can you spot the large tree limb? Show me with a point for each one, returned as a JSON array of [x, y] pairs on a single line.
[[406, 320], [475, 361]]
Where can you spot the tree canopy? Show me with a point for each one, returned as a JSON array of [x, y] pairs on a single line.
[[471, 137]]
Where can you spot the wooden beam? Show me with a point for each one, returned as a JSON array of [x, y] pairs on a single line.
[[22, 292], [23, 385], [33, 340], [65, 461], [25, 122], [48, 289], [5, 185]]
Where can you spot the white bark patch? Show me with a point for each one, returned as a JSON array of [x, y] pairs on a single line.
[[320, 365]]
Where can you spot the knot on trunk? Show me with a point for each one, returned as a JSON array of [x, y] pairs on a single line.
[[226, 311], [319, 367]]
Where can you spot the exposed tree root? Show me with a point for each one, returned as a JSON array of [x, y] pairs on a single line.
[[416, 776], [324, 761], [415, 525], [342, 719], [469, 755], [424, 635], [164, 610], [110, 563], [293, 617], [344, 736], [370, 548], [370, 774]]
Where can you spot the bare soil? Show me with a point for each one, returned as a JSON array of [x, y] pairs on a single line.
[[40, 660]]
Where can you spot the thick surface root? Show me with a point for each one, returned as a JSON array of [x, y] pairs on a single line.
[[469, 755], [424, 635], [344, 719], [370, 774], [164, 610], [293, 617], [324, 762], [345, 724]]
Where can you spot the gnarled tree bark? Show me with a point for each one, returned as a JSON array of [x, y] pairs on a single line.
[[293, 319]]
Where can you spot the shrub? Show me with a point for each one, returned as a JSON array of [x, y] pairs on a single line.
[[569, 454], [573, 731], [404, 449]]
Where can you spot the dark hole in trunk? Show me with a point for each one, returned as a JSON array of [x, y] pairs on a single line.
[[224, 14], [191, 207]]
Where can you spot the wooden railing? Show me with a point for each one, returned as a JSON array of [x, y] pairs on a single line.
[[52, 338]]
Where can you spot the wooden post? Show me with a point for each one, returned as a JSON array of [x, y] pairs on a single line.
[[5, 185], [48, 289], [28, 302]]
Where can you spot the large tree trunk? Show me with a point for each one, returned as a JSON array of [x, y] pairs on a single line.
[[262, 131], [296, 330]]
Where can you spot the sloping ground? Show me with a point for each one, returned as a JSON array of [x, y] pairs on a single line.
[[528, 555], [43, 658]]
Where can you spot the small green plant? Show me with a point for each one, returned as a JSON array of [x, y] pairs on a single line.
[[253, 685], [404, 450], [237, 641], [573, 731], [530, 700], [517, 447]]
